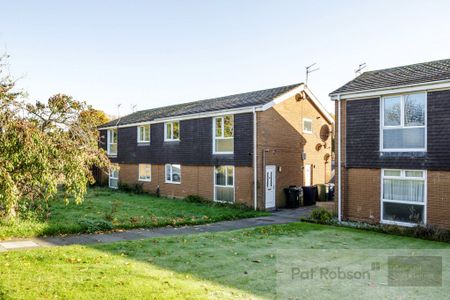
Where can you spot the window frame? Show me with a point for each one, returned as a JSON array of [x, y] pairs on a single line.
[[139, 173], [222, 137], [226, 185], [108, 141], [110, 172], [171, 174], [139, 129], [166, 136], [403, 177], [307, 131], [402, 122]]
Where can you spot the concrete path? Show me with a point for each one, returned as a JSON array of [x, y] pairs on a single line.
[[282, 216]]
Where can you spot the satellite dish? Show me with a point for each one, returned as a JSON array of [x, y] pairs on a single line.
[[326, 157], [324, 132], [318, 147], [298, 97]]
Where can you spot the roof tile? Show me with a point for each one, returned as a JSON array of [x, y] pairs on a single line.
[[398, 76], [214, 104]]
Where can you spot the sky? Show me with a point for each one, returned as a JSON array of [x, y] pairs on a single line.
[[155, 53]]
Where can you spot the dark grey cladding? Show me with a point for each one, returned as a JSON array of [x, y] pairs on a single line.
[[194, 147], [363, 136]]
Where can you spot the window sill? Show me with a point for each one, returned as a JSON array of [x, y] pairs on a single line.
[[172, 182], [112, 155], [171, 141], [412, 154], [221, 201], [143, 143], [144, 180], [223, 153], [404, 224]]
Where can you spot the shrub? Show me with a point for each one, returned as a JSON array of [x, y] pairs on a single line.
[[109, 214], [195, 199], [430, 232], [321, 215], [134, 188], [33, 210], [91, 226]]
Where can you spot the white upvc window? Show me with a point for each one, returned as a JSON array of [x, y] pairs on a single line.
[[113, 180], [143, 134], [145, 172], [172, 131], [403, 123], [223, 134], [224, 184], [307, 126], [403, 197], [173, 173], [112, 142]]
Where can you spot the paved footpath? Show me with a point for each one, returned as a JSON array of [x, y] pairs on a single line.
[[282, 216]]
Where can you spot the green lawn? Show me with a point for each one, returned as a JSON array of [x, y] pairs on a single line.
[[235, 264], [103, 208]]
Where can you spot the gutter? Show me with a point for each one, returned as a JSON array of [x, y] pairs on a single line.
[[429, 86], [255, 161], [339, 161]]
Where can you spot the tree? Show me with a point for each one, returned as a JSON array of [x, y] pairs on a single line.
[[95, 116], [45, 145]]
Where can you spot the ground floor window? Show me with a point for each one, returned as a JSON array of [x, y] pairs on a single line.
[[224, 184], [145, 172], [173, 173], [114, 178], [403, 196]]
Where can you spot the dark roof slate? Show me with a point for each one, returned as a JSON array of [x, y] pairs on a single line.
[[248, 99], [399, 76]]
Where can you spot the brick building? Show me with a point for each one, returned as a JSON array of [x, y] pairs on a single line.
[[393, 156], [217, 148]]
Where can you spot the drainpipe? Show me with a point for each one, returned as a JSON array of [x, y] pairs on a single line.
[[255, 162], [339, 161]]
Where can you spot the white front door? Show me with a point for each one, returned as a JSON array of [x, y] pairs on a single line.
[[270, 186], [307, 175]]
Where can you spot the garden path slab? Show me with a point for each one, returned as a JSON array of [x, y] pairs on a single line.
[[282, 216]]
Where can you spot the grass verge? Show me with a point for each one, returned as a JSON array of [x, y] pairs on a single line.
[[228, 265], [105, 210]]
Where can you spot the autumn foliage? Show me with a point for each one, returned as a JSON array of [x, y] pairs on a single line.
[[45, 146]]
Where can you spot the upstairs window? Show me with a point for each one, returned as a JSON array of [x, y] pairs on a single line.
[[172, 131], [307, 126], [173, 173], [223, 131], [404, 122], [143, 134], [112, 142]]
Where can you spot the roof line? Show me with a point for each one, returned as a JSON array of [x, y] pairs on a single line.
[[405, 66]]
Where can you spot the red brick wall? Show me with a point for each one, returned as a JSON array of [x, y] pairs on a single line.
[[195, 180], [438, 192], [362, 202], [281, 142]]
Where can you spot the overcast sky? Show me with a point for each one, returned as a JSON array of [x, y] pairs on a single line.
[[155, 53]]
